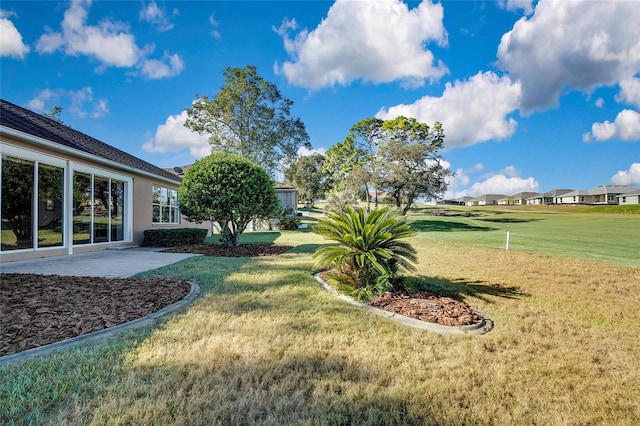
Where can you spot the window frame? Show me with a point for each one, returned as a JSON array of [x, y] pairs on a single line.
[[166, 205]]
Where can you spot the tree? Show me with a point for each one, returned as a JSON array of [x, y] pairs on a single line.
[[368, 252], [230, 190], [412, 167], [309, 177], [249, 117], [367, 136], [55, 114]]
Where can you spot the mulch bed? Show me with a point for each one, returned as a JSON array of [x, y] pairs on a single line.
[[242, 250], [427, 306], [42, 309]]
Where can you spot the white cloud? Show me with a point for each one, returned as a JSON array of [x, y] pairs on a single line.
[[515, 5], [215, 33], [305, 152], [510, 171], [111, 43], [629, 92], [173, 136], [168, 66], [11, 44], [627, 177], [78, 103], [377, 41], [599, 102], [625, 127], [156, 16], [576, 44], [505, 182], [501, 184], [470, 111]]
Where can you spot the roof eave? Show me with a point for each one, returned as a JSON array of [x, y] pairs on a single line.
[[4, 130]]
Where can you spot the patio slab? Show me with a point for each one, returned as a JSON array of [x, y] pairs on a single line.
[[111, 263]]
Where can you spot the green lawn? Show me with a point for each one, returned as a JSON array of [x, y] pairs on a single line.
[[557, 231], [265, 344]]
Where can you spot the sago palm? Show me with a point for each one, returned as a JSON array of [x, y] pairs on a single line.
[[368, 252]]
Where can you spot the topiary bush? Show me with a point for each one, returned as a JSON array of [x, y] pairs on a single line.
[[229, 190], [368, 253], [172, 237]]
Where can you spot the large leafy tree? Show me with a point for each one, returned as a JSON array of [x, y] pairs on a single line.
[[308, 175], [249, 117], [230, 190], [412, 165]]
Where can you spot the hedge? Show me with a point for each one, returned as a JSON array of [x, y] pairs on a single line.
[[173, 237]]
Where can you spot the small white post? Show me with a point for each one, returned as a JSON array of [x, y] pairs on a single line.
[[507, 247]]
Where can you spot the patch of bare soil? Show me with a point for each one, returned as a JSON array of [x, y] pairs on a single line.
[[427, 306], [41, 309], [218, 250]]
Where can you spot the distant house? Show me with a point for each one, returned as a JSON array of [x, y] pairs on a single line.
[[629, 198], [580, 196], [486, 200], [461, 201], [518, 199], [288, 196], [608, 194], [604, 194], [64, 192], [549, 197]]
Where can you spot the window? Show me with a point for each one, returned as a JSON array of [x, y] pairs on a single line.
[[98, 209], [165, 205], [32, 208]]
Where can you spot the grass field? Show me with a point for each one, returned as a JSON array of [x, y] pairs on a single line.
[[266, 345]]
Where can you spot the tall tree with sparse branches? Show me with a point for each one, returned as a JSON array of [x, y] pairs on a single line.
[[412, 163], [251, 118]]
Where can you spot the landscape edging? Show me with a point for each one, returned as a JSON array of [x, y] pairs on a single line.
[[106, 332], [482, 327]]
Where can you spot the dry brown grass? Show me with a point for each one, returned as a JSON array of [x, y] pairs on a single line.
[[266, 345]]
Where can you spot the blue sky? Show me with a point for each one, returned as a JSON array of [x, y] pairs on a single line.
[[533, 96]]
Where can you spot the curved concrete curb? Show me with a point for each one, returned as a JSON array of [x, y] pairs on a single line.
[[107, 332], [475, 329]]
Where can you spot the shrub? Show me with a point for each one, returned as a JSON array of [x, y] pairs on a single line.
[[173, 237], [289, 223], [229, 190], [368, 252]]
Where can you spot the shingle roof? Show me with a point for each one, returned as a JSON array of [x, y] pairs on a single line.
[[27, 121]]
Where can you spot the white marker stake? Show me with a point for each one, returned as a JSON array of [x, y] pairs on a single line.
[[507, 248]]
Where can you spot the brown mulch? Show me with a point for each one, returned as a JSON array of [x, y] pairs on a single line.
[[424, 305], [42, 309], [427, 306], [218, 250]]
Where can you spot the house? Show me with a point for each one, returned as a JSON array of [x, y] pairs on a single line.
[[485, 200], [604, 194], [579, 196], [549, 197], [629, 198], [518, 199], [288, 197], [608, 194], [64, 192], [461, 201]]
